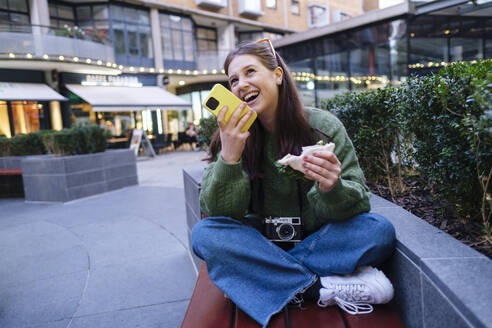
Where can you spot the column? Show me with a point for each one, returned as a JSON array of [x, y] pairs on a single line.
[[40, 15], [55, 115], [226, 42], [156, 42]]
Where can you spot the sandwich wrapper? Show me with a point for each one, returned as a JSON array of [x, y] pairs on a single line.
[[295, 162]]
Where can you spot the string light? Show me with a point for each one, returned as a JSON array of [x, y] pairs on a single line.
[[11, 55], [45, 56], [75, 59], [28, 56], [61, 58]]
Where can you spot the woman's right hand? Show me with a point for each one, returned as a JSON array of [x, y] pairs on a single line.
[[231, 137]]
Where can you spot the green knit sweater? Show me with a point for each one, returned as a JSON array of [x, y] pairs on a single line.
[[226, 189]]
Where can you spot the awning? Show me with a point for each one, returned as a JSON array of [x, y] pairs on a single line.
[[124, 99], [28, 91]]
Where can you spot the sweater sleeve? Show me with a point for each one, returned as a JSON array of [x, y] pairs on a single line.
[[225, 190], [350, 196]]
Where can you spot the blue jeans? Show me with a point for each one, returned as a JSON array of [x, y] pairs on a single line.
[[261, 278]]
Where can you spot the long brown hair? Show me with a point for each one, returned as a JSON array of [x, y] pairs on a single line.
[[291, 126]]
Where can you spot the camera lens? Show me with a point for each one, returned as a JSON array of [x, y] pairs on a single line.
[[212, 103], [286, 231]]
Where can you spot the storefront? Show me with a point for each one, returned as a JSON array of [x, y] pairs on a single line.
[[28, 107], [123, 103]]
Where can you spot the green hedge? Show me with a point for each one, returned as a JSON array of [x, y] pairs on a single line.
[[438, 126], [207, 128], [79, 140]]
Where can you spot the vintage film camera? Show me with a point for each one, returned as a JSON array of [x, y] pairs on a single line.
[[283, 229]]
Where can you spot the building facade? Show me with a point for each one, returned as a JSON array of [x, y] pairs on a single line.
[[90, 56], [382, 48]]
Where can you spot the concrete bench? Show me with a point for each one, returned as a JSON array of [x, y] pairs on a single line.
[[439, 281]]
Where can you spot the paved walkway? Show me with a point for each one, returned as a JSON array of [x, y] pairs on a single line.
[[118, 259]]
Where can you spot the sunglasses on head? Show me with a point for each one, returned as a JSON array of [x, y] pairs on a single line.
[[269, 44]]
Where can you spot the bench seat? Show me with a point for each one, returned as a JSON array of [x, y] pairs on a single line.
[[208, 308]]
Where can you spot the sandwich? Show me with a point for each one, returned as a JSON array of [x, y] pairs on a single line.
[[291, 165]]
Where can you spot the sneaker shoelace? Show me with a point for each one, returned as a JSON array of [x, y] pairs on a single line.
[[349, 298]]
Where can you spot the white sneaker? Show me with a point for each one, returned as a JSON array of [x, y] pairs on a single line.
[[354, 293]]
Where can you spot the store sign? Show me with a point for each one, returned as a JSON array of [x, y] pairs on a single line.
[[112, 81]]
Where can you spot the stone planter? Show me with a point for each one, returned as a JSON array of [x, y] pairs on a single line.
[[439, 281], [60, 179]]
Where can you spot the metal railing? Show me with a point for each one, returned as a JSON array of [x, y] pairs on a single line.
[[39, 40]]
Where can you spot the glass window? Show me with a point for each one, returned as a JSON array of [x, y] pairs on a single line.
[[143, 17], [145, 42], [332, 72], [272, 4], [167, 49], [175, 21], [131, 15], [119, 38], [52, 9], [295, 8], [465, 49], [25, 116], [318, 15], [18, 5], [132, 40], [4, 4], [84, 13], [425, 50], [178, 40], [178, 45], [19, 18], [117, 12], [65, 12], [100, 12], [188, 46], [186, 24]]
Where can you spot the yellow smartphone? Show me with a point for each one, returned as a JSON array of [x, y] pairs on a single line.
[[219, 97]]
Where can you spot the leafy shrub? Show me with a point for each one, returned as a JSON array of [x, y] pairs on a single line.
[[452, 145], [26, 144], [84, 140], [207, 128], [78, 140], [4, 146], [371, 121]]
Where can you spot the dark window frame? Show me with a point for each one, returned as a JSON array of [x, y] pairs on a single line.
[[178, 62], [293, 4], [24, 28]]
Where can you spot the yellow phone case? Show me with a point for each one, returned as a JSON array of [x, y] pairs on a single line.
[[219, 97]]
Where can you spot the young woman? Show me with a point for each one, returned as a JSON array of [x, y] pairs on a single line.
[[242, 183]]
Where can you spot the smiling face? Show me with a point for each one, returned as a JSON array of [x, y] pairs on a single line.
[[256, 85]]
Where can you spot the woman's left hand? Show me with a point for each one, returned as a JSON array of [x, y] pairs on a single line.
[[324, 167]]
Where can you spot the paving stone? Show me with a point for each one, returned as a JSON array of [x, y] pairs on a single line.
[[125, 241], [86, 190], [53, 324], [139, 283], [41, 301], [168, 315], [19, 270]]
